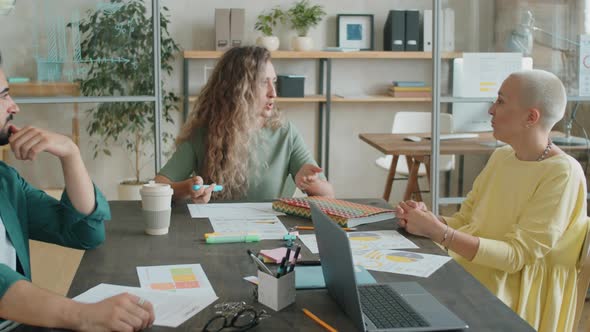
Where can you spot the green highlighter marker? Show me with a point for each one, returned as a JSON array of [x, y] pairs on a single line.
[[232, 238]]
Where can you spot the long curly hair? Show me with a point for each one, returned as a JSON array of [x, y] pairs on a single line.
[[227, 109]]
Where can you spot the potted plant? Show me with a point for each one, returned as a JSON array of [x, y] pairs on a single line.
[[265, 23], [304, 16], [117, 48]]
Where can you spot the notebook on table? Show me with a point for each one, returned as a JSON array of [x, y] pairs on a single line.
[[397, 306], [311, 277], [346, 214]]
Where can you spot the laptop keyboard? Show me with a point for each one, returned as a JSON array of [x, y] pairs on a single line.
[[387, 309]]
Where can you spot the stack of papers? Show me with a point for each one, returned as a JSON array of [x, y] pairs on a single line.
[[371, 250], [226, 210], [368, 240], [247, 218], [170, 309], [177, 292]]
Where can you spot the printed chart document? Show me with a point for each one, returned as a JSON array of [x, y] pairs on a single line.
[[185, 279], [402, 262], [267, 227], [232, 210], [363, 241], [170, 309], [487, 71], [375, 240]]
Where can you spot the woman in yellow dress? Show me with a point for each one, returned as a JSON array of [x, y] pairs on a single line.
[[522, 226]]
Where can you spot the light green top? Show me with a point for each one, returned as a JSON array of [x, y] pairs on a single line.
[[280, 154]]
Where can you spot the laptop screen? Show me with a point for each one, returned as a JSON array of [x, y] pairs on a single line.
[[337, 265]]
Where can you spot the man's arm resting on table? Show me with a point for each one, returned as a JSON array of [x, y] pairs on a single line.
[[26, 303]]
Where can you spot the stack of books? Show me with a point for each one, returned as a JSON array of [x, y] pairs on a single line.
[[410, 89]]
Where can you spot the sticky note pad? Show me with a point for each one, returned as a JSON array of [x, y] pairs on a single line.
[[277, 254]]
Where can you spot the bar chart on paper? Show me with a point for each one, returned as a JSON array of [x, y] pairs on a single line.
[[174, 278]]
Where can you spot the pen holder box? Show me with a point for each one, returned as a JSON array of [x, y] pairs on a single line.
[[276, 293]]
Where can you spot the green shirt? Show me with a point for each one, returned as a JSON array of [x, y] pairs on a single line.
[[280, 154], [29, 213]]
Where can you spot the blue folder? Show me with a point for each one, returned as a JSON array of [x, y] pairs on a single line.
[[310, 277]]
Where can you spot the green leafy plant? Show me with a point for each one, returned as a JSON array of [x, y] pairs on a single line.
[[304, 16], [266, 21], [117, 45]]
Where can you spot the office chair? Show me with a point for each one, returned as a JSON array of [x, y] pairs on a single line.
[[418, 122]]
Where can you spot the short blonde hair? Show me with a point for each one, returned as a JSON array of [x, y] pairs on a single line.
[[544, 91]]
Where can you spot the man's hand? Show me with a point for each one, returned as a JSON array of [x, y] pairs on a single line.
[[307, 177], [123, 312], [28, 142]]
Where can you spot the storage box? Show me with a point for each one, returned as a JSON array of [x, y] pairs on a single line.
[[290, 85]]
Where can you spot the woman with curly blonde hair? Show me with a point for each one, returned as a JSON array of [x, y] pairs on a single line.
[[235, 137]]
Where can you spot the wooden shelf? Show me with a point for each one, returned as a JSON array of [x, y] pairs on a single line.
[[378, 99], [306, 99], [339, 99], [331, 55], [44, 89]]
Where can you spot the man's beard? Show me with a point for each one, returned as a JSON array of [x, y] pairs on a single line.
[[5, 131]]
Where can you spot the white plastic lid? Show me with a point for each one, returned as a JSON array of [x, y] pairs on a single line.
[[156, 189]]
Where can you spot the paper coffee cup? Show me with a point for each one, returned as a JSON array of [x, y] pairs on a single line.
[[156, 203]]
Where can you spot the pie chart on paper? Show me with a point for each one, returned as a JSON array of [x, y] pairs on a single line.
[[404, 257]]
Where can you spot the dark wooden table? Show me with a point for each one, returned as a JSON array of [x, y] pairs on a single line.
[[127, 246]]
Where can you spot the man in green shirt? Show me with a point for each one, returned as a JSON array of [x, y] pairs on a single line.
[[74, 221]]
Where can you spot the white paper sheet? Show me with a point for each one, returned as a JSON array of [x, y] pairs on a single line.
[[268, 228], [187, 279], [402, 262], [368, 240], [310, 242], [226, 210], [170, 309], [487, 71], [376, 240]]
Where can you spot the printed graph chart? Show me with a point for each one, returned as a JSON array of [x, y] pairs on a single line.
[[174, 278], [402, 262], [182, 278], [375, 240]]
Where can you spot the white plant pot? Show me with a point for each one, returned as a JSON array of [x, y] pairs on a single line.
[[301, 43], [271, 43], [129, 192]]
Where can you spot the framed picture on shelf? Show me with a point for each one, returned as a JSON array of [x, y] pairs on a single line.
[[355, 31]]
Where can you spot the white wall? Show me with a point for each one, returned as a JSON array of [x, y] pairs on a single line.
[[353, 171]]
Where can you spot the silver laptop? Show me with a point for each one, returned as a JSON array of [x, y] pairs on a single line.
[[409, 306]]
